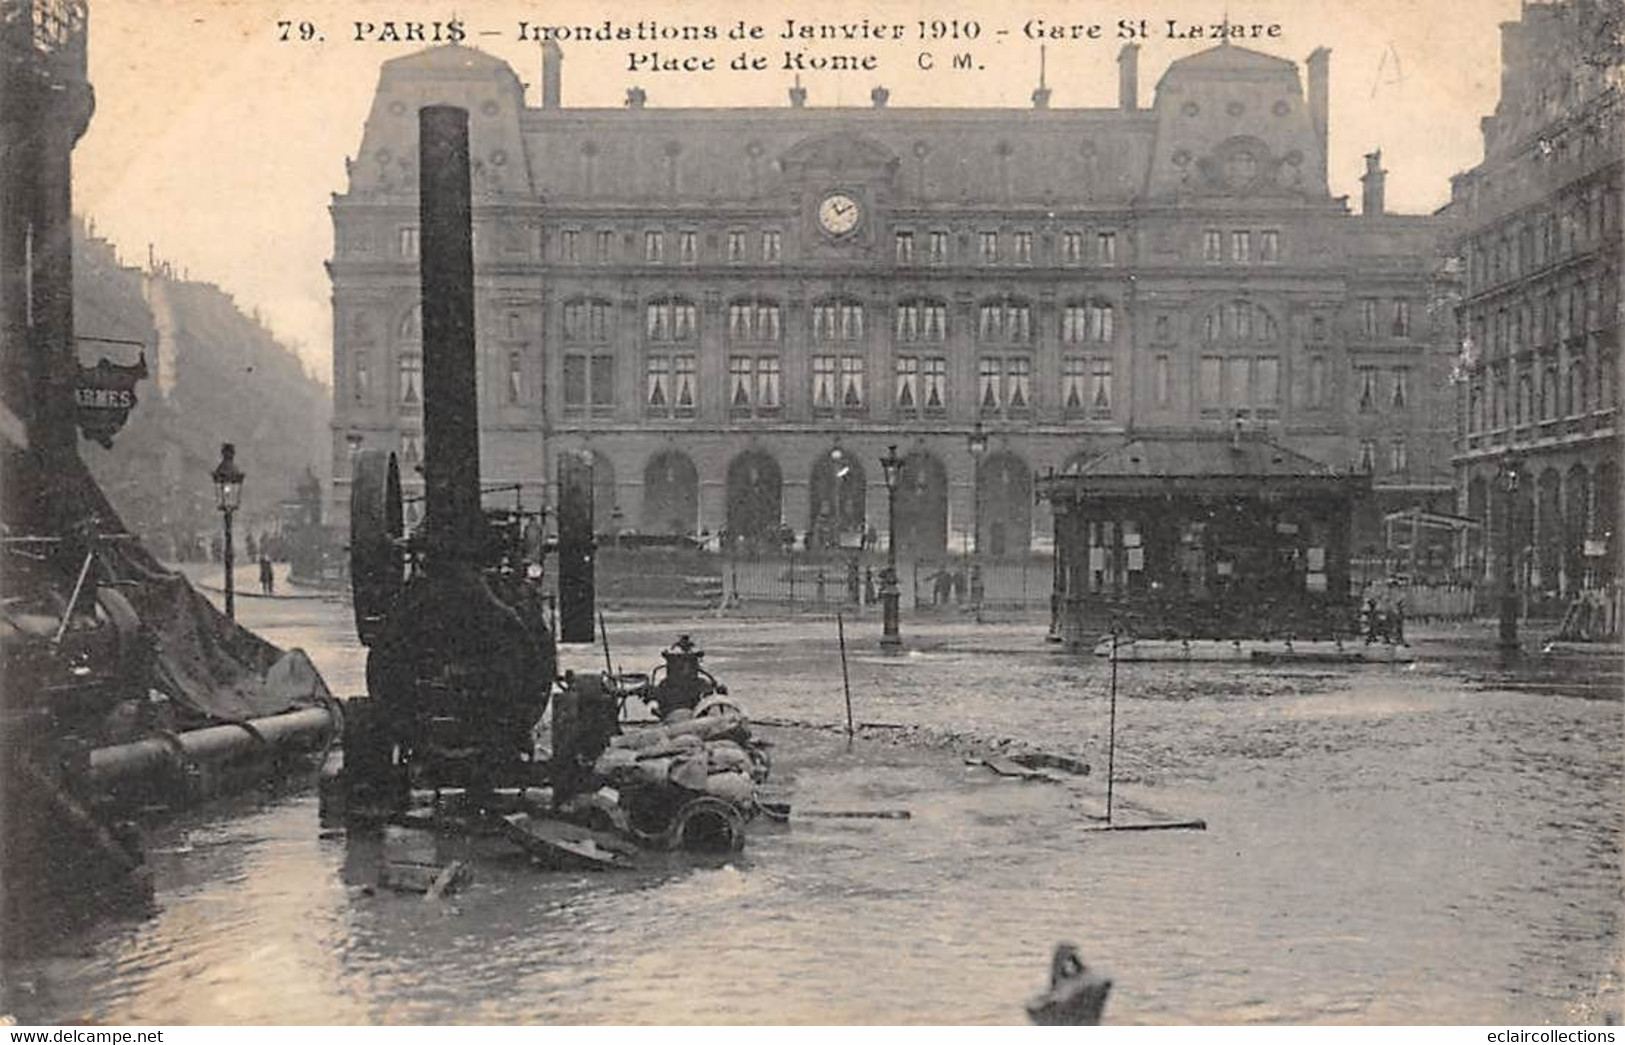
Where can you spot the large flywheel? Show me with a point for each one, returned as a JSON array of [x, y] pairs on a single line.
[[377, 555]]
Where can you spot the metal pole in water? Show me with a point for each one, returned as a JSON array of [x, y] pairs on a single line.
[[1111, 732], [846, 682]]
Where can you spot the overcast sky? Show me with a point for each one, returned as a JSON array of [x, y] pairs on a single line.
[[220, 144]]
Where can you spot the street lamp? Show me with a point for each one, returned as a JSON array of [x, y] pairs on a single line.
[[228, 493], [977, 440], [892, 467], [1508, 481]]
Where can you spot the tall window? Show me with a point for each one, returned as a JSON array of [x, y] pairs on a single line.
[[587, 319], [1072, 247], [908, 384], [362, 385], [772, 245], [1367, 378], [921, 319], [1241, 247], [1100, 387], [1318, 395], [1402, 318], [1161, 379], [753, 385], [1210, 384], [1024, 247], [852, 393], [1402, 387], [934, 381], [939, 246], [1266, 381], [570, 246], [411, 450], [605, 249], [688, 246], [1212, 246], [987, 247], [589, 383], [654, 246], [1398, 455], [990, 372], [671, 319], [1368, 455], [516, 377], [1269, 246], [1005, 319], [837, 319], [921, 384], [838, 384], [408, 242], [670, 385], [1087, 321], [411, 384], [753, 319], [1106, 248], [1075, 385], [1368, 318], [736, 245], [905, 246]]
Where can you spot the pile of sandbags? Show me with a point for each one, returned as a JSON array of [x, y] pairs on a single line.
[[710, 752]]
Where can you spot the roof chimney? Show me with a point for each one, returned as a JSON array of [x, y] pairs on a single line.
[[879, 96], [1319, 63], [798, 95], [635, 97], [1373, 181], [552, 60], [1128, 77]]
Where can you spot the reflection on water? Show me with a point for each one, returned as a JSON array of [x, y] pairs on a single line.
[[1386, 845]]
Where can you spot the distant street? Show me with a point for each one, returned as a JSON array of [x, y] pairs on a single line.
[[1434, 843]]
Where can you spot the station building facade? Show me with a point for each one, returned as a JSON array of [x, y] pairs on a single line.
[[1538, 235], [736, 311]]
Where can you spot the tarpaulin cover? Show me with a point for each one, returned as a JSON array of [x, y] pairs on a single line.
[[210, 668]]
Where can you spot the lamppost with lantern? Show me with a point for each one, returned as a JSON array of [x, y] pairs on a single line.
[[1508, 479], [977, 441], [228, 492], [891, 467]]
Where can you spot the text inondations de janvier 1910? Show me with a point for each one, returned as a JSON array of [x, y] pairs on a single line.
[[786, 44]]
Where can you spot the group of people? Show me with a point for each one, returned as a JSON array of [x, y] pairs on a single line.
[[948, 586]]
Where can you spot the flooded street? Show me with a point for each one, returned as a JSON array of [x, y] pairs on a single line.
[[1405, 844]]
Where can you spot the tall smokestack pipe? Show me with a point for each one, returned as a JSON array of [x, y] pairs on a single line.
[[451, 412], [1374, 185], [552, 74], [1319, 63], [1128, 77]]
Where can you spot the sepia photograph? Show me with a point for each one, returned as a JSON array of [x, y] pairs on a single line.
[[707, 513]]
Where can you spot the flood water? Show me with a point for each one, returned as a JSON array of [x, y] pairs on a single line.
[[1433, 843]]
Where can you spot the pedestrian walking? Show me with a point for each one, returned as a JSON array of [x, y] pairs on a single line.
[[868, 585], [267, 576]]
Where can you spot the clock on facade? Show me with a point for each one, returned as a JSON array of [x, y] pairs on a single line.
[[839, 214]]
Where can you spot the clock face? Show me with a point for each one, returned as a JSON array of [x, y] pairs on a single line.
[[839, 213]]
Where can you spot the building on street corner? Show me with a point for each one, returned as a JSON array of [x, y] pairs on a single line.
[[1537, 231]]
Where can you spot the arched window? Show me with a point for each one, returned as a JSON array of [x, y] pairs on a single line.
[[1239, 321], [672, 319], [753, 319], [589, 320], [921, 320], [838, 319], [1004, 319], [1087, 320], [410, 326]]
